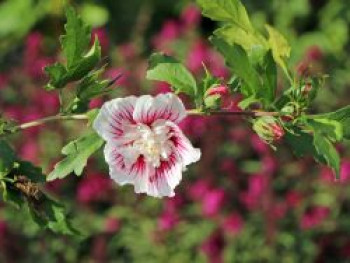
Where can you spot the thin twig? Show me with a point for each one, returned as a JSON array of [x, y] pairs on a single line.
[[194, 112], [51, 119]]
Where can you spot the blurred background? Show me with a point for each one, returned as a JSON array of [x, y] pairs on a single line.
[[242, 202]]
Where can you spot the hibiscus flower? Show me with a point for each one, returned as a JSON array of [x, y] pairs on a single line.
[[144, 145]]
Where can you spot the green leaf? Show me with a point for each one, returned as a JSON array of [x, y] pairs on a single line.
[[167, 69], [91, 87], [251, 41], [92, 114], [342, 116], [48, 213], [270, 79], [316, 145], [7, 159], [80, 60], [27, 169], [332, 129], [231, 11], [302, 144], [13, 197], [77, 153], [77, 38], [238, 28], [58, 76], [280, 48], [326, 149], [237, 60], [86, 63]]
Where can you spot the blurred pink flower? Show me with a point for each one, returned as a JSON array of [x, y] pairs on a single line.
[[191, 16], [269, 164], [259, 145], [279, 210], [197, 55], [161, 87], [124, 79], [93, 187], [96, 103], [103, 38], [30, 151], [168, 220], [47, 102], [174, 203], [170, 30], [213, 247], [195, 126], [198, 189], [314, 217], [228, 166], [345, 171], [112, 225], [233, 224], [294, 198], [314, 53], [3, 81], [251, 198], [33, 46], [212, 202], [128, 51]]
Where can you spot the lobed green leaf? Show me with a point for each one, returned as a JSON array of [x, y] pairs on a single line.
[[237, 59], [167, 69], [226, 11], [77, 38], [77, 153], [342, 116]]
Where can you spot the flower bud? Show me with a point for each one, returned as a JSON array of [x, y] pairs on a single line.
[[268, 129], [220, 90], [306, 89], [214, 95], [288, 113]]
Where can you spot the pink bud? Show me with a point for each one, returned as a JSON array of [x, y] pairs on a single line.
[[277, 131], [221, 90]]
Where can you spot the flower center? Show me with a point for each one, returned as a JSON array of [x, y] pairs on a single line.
[[153, 143]]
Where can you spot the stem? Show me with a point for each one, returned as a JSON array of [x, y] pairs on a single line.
[[233, 113], [51, 119], [194, 112]]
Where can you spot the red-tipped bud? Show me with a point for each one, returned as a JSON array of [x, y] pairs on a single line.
[[278, 131], [268, 129], [221, 90]]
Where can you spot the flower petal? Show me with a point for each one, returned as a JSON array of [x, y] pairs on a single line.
[[164, 106], [163, 179], [123, 169], [156, 182], [113, 116], [183, 146]]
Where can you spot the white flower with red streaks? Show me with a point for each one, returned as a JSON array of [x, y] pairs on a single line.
[[145, 147]]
